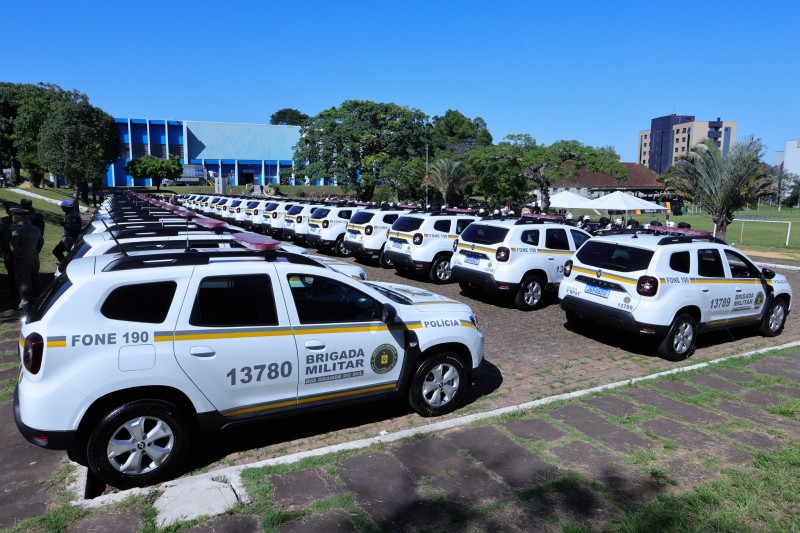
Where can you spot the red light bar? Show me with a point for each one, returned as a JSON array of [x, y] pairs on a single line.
[[459, 210], [559, 218], [254, 241], [186, 213], [208, 222], [682, 231]]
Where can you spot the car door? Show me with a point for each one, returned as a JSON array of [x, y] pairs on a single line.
[[557, 248], [234, 339], [748, 289], [345, 349], [714, 286]]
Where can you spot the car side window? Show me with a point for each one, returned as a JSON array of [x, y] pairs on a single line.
[[140, 302], [345, 214], [234, 301], [556, 239], [442, 225], [388, 219], [679, 262], [709, 264], [321, 300], [740, 267], [461, 225], [579, 237], [530, 236]]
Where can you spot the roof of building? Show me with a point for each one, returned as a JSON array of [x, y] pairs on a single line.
[[639, 177]]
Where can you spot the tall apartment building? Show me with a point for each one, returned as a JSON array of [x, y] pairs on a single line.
[[673, 135], [789, 157]]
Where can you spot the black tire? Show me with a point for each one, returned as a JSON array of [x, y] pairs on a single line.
[[383, 261], [339, 248], [440, 270], [531, 294], [774, 319], [678, 344], [438, 385], [138, 443], [574, 321]]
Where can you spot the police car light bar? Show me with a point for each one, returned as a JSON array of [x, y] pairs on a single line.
[[208, 222], [186, 213], [683, 231], [254, 241], [459, 210], [543, 217]]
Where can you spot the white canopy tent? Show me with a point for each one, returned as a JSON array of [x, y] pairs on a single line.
[[568, 200], [622, 201]]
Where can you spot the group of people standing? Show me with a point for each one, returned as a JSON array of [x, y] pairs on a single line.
[[21, 241]]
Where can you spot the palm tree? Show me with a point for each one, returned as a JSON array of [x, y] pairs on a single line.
[[450, 178], [720, 184]]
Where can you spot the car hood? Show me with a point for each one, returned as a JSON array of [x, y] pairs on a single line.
[[422, 299]]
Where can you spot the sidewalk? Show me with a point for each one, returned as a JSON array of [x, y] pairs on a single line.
[[580, 462]]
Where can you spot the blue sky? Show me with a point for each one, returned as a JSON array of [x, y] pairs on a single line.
[[586, 70]]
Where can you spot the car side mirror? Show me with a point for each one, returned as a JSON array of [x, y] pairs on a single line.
[[767, 273], [388, 314]]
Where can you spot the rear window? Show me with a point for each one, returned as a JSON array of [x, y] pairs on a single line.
[[140, 302], [407, 224], [251, 205], [320, 212], [50, 296], [272, 206], [236, 203], [362, 217], [296, 209], [614, 256], [483, 234]]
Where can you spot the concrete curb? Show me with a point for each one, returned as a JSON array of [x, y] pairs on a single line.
[[44, 198], [213, 493]]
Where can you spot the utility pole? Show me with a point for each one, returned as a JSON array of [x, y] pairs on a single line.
[[426, 175]]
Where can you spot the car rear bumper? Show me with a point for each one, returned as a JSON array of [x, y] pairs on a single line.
[[608, 316], [53, 440], [482, 279], [404, 260]]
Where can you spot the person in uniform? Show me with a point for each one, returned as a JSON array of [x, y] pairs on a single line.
[[72, 229], [34, 216], [25, 246]]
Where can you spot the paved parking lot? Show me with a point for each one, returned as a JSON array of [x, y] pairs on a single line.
[[529, 355]]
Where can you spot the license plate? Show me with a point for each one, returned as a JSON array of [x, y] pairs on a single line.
[[397, 244], [471, 260], [352, 232], [598, 291]]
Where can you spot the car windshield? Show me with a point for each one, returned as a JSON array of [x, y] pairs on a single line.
[[407, 223], [614, 256], [76, 252], [392, 295], [483, 234], [362, 217]]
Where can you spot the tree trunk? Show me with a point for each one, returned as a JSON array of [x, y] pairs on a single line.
[[16, 171]]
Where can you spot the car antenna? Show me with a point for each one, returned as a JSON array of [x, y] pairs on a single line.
[[114, 237]]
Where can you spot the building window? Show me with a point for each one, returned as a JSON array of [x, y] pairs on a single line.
[[683, 140], [684, 130], [676, 150], [683, 148]]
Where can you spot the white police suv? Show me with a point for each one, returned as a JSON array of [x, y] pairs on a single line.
[[125, 358], [671, 287], [327, 227], [367, 232], [522, 257], [424, 241], [295, 223], [274, 217]]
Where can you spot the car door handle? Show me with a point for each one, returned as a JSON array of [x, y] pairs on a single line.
[[315, 345], [202, 351], [738, 289], [705, 290], [552, 258]]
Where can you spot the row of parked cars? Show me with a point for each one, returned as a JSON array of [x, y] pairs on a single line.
[[666, 283], [165, 324]]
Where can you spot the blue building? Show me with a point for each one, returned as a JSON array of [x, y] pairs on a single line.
[[247, 153]]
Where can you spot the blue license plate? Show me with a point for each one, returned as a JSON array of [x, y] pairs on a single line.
[[471, 260], [397, 244], [598, 291]]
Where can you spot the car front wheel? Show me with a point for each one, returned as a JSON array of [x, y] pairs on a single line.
[[530, 295], [679, 342], [774, 320], [440, 270], [138, 443], [438, 385]]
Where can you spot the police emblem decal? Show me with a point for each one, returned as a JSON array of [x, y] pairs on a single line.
[[759, 299], [384, 358]]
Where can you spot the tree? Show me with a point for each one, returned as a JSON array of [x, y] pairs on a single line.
[[356, 141], [405, 177], [720, 184], [78, 142], [784, 182], [288, 117], [450, 177], [456, 133], [23, 108], [156, 168], [562, 160]]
